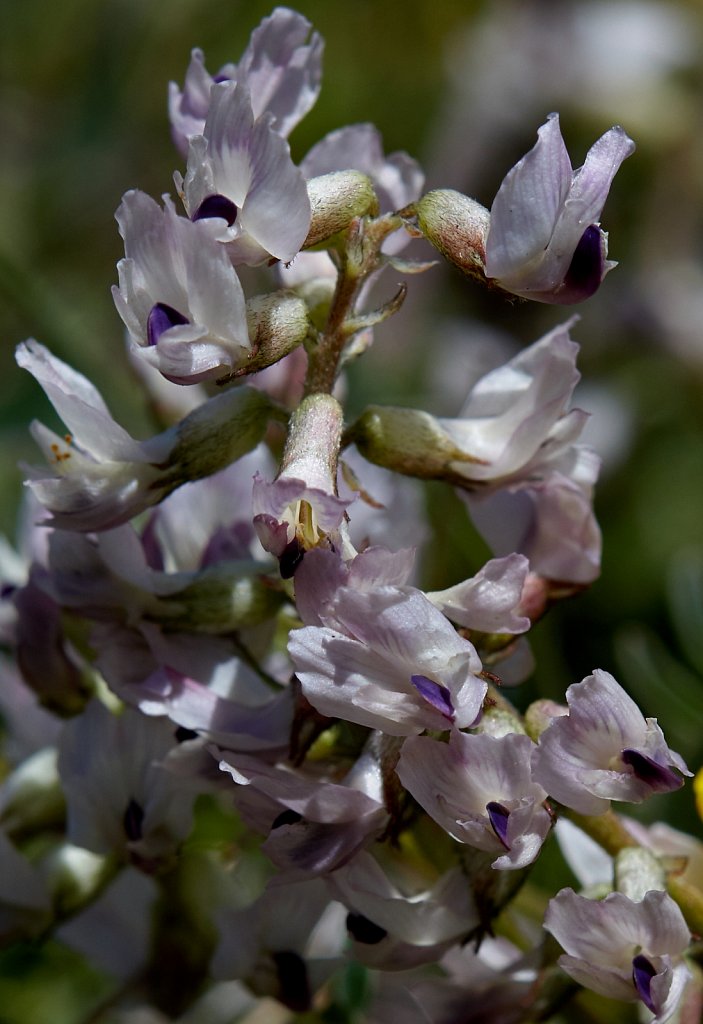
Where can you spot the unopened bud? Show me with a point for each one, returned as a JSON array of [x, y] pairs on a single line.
[[499, 722], [540, 715], [221, 599], [335, 199], [455, 225], [407, 441], [312, 445], [217, 433], [637, 870], [277, 323]]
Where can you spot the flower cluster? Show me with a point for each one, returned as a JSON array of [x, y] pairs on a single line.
[[221, 617]]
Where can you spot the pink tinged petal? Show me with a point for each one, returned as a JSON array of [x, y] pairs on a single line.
[[607, 932], [276, 211], [479, 789], [488, 601]]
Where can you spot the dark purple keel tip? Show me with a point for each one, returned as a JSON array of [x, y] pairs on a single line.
[[660, 777], [294, 984], [217, 206], [287, 817], [435, 694], [132, 821], [160, 319], [183, 735], [292, 556], [363, 930], [587, 266], [642, 973], [498, 816]]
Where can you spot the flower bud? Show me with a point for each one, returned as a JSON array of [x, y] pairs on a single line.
[[499, 722], [540, 714], [407, 441], [637, 870], [217, 434], [335, 199], [455, 225], [277, 323], [221, 598]]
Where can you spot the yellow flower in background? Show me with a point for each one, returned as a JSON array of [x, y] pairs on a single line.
[[698, 791]]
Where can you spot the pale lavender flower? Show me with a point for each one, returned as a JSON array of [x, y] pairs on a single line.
[[396, 924], [281, 67], [241, 179], [532, 491], [178, 294], [488, 985], [544, 240], [514, 417], [314, 825], [604, 749], [120, 797], [324, 573], [490, 601], [548, 517], [389, 660], [285, 944], [622, 948], [512, 444], [100, 476], [479, 788]]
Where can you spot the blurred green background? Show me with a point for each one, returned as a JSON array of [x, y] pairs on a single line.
[[462, 86]]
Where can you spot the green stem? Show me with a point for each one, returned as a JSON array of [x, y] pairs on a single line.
[[360, 257], [610, 833]]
